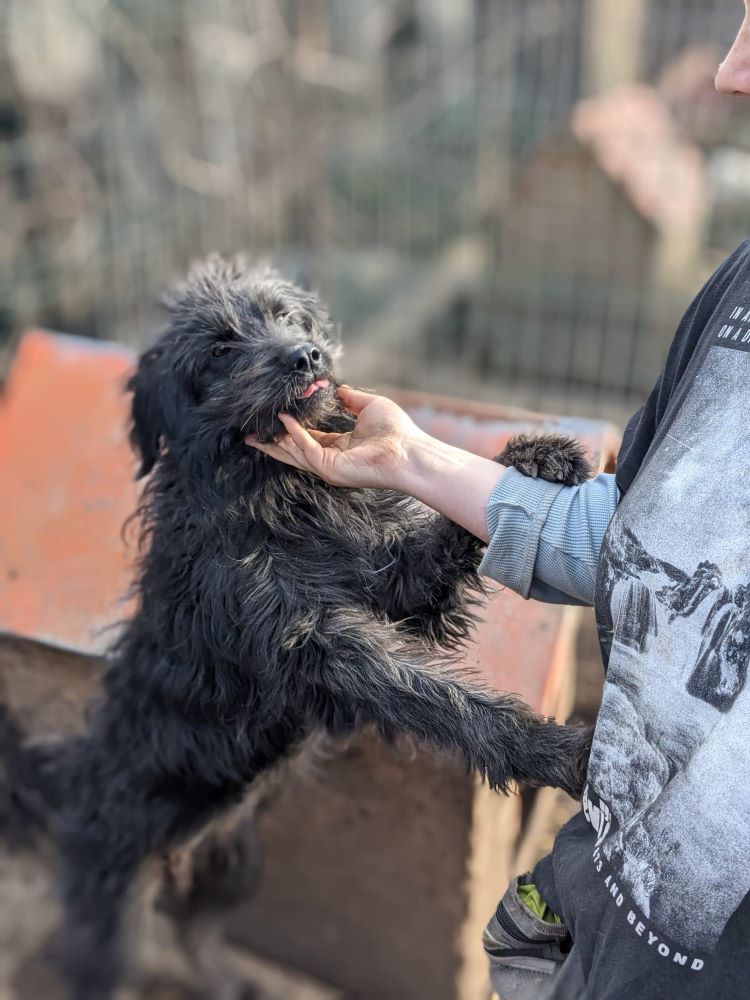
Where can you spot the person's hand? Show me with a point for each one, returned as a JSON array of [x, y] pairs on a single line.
[[387, 450], [374, 454]]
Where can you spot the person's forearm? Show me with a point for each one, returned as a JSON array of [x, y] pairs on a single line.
[[454, 482]]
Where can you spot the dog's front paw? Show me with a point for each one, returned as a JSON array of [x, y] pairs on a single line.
[[553, 457]]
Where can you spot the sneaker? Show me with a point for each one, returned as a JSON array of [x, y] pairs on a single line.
[[524, 951]]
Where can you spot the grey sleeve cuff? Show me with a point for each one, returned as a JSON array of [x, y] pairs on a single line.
[[516, 513]]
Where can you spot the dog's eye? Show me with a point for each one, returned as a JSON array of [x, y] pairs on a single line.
[[221, 350]]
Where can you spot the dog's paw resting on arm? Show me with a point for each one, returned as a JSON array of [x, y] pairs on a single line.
[[553, 457], [271, 607]]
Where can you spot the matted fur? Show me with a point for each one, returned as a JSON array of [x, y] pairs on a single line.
[[270, 606]]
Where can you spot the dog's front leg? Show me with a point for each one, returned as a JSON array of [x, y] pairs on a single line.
[[369, 675], [426, 578]]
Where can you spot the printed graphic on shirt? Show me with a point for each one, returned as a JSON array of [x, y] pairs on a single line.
[[736, 331], [671, 757]]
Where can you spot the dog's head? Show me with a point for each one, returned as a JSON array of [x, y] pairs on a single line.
[[242, 346]]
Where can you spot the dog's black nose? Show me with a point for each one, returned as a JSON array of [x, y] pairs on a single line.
[[303, 359]]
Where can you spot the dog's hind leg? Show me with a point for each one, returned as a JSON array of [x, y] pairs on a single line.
[[369, 675], [204, 888], [97, 894], [106, 842]]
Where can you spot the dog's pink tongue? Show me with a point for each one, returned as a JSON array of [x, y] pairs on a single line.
[[320, 384]]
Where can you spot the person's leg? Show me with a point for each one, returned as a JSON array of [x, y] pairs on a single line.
[[568, 983]]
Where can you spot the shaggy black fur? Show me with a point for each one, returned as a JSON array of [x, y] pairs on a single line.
[[547, 456], [271, 605]]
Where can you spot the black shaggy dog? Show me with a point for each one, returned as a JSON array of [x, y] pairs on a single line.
[[271, 606]]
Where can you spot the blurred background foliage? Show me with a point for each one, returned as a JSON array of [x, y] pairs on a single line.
[[502, 199]]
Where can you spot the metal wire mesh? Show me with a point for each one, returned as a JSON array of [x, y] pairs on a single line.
[[496, 197]]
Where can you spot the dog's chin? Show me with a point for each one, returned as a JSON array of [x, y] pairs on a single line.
[[309, 409]]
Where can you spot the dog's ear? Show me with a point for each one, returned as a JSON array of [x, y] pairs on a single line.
[[162, 407], [147, 426]]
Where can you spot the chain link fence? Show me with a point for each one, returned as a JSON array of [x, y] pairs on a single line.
[[508, 199]]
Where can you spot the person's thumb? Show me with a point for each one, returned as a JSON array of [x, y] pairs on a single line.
[[354, 399]]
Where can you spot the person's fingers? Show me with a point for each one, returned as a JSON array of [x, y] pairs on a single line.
[[305, 442], [324, 438], [354, 399], [283, 451], [329, 439]]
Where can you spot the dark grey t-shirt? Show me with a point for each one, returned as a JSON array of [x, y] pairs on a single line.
[[653, 876]]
